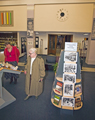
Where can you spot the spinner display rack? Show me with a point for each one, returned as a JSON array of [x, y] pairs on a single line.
[[59, 77]]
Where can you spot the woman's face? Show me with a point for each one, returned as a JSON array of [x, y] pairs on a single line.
[[8, 46]]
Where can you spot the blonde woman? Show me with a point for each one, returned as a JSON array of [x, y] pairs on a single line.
[[35, 72]]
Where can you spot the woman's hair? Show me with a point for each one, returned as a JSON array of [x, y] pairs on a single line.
[[33, 50], [6, 43]]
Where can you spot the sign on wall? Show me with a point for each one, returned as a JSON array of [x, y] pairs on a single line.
[[6, 18], [30, 27]]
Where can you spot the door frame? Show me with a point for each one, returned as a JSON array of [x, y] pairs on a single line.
[[55, 42], [71, 40]]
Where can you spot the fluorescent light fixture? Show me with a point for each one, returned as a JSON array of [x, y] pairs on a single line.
[[37, 33], [85, 34], [6, 32]]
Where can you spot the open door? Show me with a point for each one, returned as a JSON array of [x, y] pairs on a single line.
[[52, 41]]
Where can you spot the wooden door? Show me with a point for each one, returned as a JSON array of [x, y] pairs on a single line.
[[52, 41]]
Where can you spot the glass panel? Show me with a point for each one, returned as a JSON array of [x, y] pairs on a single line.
[[60, 44], [53, 43], [50, 42]]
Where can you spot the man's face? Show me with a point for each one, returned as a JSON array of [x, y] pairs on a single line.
[[32, 55], [30, 25]]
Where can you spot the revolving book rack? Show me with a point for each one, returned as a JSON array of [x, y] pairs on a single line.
[[67, 86]]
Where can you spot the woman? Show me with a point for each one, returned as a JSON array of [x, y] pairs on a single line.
[[12, 57], [35, 72]]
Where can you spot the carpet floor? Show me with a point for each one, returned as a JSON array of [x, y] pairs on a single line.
[[42, 108]]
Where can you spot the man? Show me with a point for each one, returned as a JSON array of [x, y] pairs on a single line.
[[35, 72], [30, 28]]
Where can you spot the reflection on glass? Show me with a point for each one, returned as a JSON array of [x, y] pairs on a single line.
[[60, 42], [50, 43], [53, 43]]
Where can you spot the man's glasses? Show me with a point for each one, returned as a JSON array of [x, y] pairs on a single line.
[[30, 53]]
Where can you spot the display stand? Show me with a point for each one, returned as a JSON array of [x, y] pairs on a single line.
[[76, 100], [5, 97]]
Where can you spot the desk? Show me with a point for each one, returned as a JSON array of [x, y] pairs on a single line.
[[5, 97]]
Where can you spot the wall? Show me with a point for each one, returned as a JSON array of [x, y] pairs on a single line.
[[45, 17], [90, 59], [19, 2], [20, 18], [77, 37]]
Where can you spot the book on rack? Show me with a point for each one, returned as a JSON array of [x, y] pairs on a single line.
[[58, 87], [56, 99], [78, 101], [78, 89]]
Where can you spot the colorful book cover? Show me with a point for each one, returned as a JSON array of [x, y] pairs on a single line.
[[77, 101], [78, 104], [56, 99], [78, 89], [58, 87]]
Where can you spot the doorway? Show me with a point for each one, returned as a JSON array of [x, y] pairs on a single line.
[[56, 43]]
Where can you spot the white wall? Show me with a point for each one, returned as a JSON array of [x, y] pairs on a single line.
[[43, 35], [77, 37], [78, 17], [19, 2], [90, 59], [19, 18]]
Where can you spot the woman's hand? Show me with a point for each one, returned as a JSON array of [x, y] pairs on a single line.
[[41, 80], [25, 72]]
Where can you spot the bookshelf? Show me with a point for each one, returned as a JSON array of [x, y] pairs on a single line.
[[4, 37]]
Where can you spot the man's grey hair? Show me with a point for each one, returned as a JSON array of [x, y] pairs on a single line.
[[33, 50]]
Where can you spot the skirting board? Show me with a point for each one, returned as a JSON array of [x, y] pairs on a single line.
[[6, 99]]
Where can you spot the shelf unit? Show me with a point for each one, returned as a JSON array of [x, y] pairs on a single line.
[[59, 78], [4, 37]]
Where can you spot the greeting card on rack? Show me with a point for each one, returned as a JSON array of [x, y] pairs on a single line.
[[70, 56], [68, 90], [70, 68], [70, 78], [69, 102], [70, 46]]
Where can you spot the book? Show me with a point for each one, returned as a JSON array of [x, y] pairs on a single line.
[[78, 89], [58, 87], [77, 101], [56, 99], [78, 104]]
